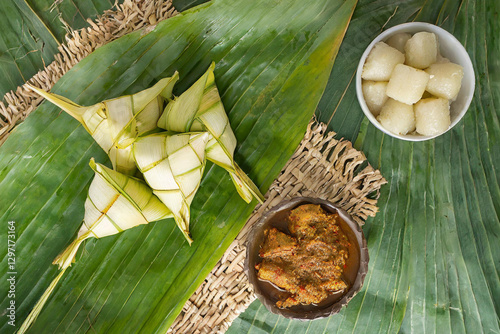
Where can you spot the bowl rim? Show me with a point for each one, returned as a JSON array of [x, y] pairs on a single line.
[[424, 26], [258, 227]]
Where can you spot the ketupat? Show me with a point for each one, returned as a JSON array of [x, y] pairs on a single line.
[[200, 109], [117, 123], [197, 109], [115, 202], [173, 165], [114, 124]]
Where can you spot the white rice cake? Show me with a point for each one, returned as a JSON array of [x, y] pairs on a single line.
[[398, 41], [440, 59], [380, 62], [407, 84], [397, 117], [421, 50], [432, 116], [374, 94], [445, 80]]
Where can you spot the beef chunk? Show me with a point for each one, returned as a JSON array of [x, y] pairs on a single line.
[[278, 244]]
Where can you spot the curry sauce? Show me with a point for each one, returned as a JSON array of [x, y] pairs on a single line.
[[309, 260]]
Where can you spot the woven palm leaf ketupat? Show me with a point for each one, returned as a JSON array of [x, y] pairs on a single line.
[[115, 124], [173, 164], [115, 203], [200, 109]]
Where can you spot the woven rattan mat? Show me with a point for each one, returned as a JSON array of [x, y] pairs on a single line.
[[321, 167]]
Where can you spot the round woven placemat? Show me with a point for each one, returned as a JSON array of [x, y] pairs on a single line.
[[322, 167]]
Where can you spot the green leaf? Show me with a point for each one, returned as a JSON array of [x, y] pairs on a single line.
[[272, 64], [434, 246], [31, 30], [182, 5]]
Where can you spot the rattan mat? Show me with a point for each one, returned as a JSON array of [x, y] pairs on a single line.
[[322, 166]]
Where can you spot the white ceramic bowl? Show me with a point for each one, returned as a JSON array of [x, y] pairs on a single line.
[[450, 48]]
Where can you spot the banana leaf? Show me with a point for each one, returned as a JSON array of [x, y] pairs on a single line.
[[435, 244], [272, 65], [31, 31], [182, 5]]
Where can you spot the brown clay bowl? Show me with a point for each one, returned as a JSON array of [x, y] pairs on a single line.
[[269, 294]]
